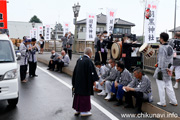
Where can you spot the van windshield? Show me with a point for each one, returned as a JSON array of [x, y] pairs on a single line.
[[6, 54]]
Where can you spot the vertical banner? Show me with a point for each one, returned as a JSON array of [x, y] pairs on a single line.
[[110, 19], [47, 32], [40, 31], [66, 28], [34, 30], [150, 21], [3, 14], [31, 34], [91, 22]]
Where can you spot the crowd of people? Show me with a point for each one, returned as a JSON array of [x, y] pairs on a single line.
[[29, 48], [115, 81], [103, 44], [60, 61]]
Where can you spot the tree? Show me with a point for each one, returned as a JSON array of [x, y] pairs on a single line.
[[35, 19]]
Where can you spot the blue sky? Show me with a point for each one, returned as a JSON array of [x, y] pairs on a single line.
[[50, 11]]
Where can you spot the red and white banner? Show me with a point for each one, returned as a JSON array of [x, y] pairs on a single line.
[[34, 33], [91, 22], [150, 21], [31, 34], [47, 32], [40, 31], [3, 14], [66, 28], [110, 19]]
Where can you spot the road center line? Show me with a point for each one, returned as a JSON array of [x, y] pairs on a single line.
[[107, 113]]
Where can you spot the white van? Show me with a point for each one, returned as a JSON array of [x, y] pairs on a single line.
[[8, 72]]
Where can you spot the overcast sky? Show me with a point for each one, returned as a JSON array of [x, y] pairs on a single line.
[[50, 11]]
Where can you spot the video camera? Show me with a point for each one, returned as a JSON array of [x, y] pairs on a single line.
[[130, 36]]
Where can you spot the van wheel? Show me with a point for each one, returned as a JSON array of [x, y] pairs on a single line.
[[13, 102]]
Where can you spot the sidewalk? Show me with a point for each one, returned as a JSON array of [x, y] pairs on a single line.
[[147, 107]]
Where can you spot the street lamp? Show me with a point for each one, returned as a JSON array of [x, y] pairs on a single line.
[[76, 9], [175, 17]]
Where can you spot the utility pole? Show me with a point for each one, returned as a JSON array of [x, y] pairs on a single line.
[[175, 17]]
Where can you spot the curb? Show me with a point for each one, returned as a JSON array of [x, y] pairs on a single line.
[[64, 69]]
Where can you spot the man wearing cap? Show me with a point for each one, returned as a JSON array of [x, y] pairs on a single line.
[[22, 43], [24, 60], [33, 48]]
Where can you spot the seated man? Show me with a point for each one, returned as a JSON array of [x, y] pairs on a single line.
[[140, 88], [53, 61], [109, 79], [63, 61], [100, 71], [124, 77]]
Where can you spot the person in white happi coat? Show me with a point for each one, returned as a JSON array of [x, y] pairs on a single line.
[[100, 69], [24, 60], [33, 58], [175, 43], [162, 72], [108, 80]]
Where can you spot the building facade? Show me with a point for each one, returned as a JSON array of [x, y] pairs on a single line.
[[19, 29], [176, 30], [120, 26]]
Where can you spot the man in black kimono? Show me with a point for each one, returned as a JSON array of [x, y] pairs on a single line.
[[83, 79]]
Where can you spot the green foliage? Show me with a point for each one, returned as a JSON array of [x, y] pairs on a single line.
[[35, 19]]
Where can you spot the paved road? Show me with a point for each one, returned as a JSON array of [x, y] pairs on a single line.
[[45, 57], [48, 97]]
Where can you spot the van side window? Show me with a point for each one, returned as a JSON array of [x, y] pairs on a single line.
[[1, 24], [6, 54], [1, 16]]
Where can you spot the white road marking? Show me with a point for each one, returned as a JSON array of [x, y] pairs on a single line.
[[107, 113]]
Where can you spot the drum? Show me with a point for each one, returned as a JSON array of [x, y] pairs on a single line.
[[116, 50], [147, 50]]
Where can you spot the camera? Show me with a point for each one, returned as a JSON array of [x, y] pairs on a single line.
[[130, 36]]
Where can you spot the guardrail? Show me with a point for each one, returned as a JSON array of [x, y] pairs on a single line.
[[149, 63], [80, 45]]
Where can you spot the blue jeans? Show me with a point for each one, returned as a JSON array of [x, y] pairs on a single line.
[[119, 91]]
